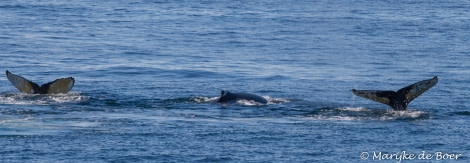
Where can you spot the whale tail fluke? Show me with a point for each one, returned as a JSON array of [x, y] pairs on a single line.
[[62, 85], [22, 84], [383, 97], [400, 99]]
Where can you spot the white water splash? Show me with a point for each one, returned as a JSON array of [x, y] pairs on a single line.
[[201, 99], [360, 113], [359, 109], [35, 99], [276, 100], [66, 98], [249, 103]]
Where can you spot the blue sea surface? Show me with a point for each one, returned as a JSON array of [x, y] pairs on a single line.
[[148, 74]]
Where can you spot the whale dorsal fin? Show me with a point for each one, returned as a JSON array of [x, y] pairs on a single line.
[[223, 93], [22, 84], [62, 85], [400, 99]]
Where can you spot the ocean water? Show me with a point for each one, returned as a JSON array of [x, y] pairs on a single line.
[[148, 74]]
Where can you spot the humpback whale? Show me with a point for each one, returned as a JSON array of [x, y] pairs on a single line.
[[400, 99], [226, 96], [62, 85]]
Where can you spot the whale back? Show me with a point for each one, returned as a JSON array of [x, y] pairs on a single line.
[[226, 96]]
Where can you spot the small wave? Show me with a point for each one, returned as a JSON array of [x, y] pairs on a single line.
[[462, 113], [34, 126]]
